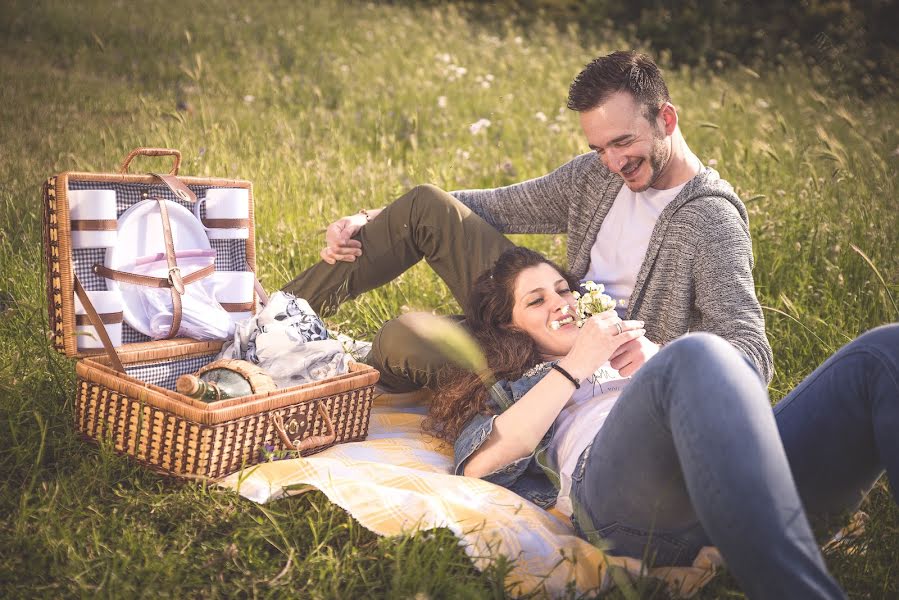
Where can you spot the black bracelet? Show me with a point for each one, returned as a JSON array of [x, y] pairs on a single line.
[[567, 375]]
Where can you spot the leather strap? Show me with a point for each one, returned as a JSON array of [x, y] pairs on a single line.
[[226, 223], [178, 188], [97, 322], [177, 282], [238, 306], [94, 225], [146, 280], [260, 291], [106, 318]]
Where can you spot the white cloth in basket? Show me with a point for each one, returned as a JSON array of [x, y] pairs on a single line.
[[289, 342], [202, 318]]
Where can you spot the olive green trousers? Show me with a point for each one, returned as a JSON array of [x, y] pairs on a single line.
[[424, 223]]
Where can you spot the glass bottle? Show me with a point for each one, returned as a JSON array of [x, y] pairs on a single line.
[[225, 379]]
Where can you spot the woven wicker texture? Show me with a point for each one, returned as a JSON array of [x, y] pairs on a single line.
[[180, 446], [138, 411]]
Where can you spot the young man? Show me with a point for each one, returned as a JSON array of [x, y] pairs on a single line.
[[666, 235]]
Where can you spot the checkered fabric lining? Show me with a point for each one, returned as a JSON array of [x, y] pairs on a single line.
[[231, 255], [164, 374]]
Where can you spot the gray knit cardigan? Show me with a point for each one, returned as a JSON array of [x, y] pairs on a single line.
[[697, 273]]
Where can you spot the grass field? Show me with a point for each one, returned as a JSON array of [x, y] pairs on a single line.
[[328, 108]]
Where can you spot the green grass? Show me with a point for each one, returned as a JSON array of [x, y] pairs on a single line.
[[329, 107]]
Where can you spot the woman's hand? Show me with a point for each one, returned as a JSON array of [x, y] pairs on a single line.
[[598, 339]]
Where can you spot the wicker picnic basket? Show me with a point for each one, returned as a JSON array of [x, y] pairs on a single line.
[[125, 393]]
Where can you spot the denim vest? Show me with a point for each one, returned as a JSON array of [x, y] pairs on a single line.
[[530, 477]]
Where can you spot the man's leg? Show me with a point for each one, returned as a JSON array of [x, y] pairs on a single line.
[[690, 454], [424, 223], [405, 361]]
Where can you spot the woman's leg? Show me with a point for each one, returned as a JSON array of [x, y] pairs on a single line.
[[690, 450], [840, 426]]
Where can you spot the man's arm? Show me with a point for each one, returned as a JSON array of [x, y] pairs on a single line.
[[725, 290], [535, 206]]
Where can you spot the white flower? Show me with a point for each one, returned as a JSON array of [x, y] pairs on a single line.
[[479, 126], [441, 101], [518, 40], [249, 98], [540, 116], [444, 57], [713, 162], [762, 103], [593, 302], [555, 127]]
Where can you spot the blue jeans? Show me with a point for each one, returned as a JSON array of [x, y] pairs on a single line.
[[693, 455]]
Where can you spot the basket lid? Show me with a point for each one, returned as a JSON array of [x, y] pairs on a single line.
[[97, 216]]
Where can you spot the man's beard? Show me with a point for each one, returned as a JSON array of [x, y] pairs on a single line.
[[658, 160]]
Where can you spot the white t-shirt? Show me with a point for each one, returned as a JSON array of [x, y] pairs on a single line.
[[621, 244], [579, 422]]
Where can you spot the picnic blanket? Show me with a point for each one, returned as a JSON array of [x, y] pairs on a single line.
[[399, 482]]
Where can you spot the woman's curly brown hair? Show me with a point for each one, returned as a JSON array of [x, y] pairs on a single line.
[[509, 351]]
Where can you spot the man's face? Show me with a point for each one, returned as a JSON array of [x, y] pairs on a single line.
[[629, 144]]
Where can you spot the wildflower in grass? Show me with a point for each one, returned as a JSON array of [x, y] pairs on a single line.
[[555, 127], [455, 72], [441, 101], [518, 40], [479, 126], [463, 154], [249, 98], [540, 116], [761, 103], [713, 162]]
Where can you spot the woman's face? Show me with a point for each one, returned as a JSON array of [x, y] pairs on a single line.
[[540, 295]]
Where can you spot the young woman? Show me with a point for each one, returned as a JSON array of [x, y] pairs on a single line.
[[685, 453]]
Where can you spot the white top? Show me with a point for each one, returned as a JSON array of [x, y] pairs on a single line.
[[579, 422], [623, 238]]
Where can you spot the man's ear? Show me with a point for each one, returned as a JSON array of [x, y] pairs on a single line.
[[668, 118]]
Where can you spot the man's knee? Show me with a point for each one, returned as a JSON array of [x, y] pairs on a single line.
[[400, 354], [427, 202]]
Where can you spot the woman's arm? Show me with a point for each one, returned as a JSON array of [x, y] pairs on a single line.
[[518, 430]]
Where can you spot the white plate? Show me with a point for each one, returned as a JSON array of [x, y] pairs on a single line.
[[140, 235]]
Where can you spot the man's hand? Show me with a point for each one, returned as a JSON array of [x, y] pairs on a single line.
[[338, 237], [632, 355]]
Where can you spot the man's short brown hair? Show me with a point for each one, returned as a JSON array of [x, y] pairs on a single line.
[[620, 71]]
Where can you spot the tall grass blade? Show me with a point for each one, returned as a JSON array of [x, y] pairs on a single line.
[[879, 276]]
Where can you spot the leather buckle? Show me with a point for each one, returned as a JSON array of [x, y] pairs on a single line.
[[175, 280], [296, 426]]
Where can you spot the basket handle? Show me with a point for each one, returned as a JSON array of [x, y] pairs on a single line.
[[310, 442], [153, 152]]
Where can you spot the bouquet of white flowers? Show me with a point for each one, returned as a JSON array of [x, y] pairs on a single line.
[[592, 302]]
